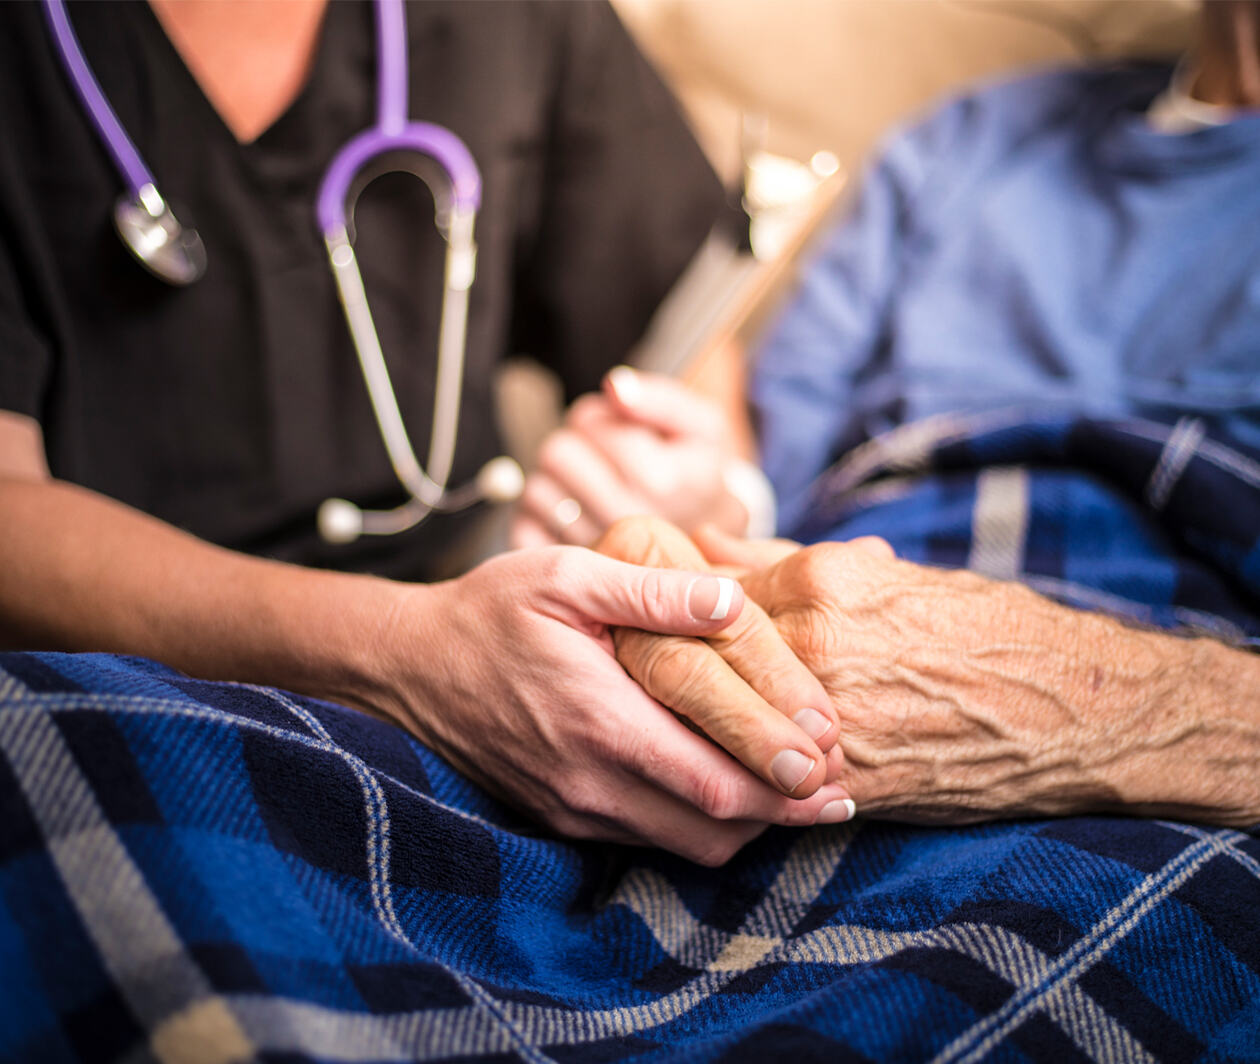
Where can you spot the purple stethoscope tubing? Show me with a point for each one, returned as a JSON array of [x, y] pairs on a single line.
[[174, 253], [393, 133], [128, 161]]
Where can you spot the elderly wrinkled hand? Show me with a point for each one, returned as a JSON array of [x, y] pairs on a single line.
[[960, 698], [509, 672]]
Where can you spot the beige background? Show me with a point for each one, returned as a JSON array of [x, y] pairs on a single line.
[[835, 73]]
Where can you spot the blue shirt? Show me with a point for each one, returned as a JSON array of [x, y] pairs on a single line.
[[1034, 244]]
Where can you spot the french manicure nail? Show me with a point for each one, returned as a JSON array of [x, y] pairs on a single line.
[[625, 384], [811, 722], [837, 812], [790, 767], [710, 598]]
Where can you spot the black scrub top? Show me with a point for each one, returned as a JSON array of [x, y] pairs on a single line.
[[234, 407]]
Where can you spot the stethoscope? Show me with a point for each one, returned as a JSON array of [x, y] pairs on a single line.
[[176, 254]]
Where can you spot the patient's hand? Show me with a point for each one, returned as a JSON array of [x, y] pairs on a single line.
[[646, 444], [752, 697], [962, 698]]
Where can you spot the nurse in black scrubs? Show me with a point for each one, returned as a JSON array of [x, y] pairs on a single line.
[[163, 451]]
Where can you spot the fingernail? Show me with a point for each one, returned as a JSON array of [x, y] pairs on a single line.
[[812, 723], [790, 767], [710, 597], [837, 812], [625, 384]]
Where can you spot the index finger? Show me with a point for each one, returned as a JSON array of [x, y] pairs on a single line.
[[688, 676]]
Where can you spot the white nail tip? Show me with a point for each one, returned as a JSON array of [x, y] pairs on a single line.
[[625, 382], [837, 812], [726, 592]]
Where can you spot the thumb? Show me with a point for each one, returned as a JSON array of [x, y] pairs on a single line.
[[662, 403], [668, 601]]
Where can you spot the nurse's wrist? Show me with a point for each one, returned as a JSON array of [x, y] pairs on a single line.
[[342, 646]]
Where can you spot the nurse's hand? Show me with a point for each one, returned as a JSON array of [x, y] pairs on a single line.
[[510, 673], [646, 444]]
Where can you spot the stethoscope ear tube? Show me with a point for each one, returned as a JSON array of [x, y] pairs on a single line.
[[367, 346], [500, 480]]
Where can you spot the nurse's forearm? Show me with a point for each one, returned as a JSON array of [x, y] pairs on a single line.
[[83, 572], [494, 671]]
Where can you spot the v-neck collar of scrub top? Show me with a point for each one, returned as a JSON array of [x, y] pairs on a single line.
[[319, 118]]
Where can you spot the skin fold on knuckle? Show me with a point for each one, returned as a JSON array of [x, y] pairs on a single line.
[[670, 668], [555, 454], [715, 851], [590, 413], [721, 794], [557, 581], [647, 540]]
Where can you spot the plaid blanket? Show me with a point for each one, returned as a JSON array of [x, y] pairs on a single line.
[[209, 872], [1158, 523]]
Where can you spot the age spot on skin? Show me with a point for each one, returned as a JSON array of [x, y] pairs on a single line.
[[1097, 681]]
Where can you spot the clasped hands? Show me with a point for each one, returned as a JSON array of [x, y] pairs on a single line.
[[587, 691], [612, 697], [958, 698]]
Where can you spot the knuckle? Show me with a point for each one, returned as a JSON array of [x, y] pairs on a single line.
[[665, 669], [743, 641], [721, 796], [797, 813], [571, 825], [554, 453], [561, 570], [652, 592], [587, 410], [583, 799], [876, 545], [629, 538], [533, 485], [816, 564]]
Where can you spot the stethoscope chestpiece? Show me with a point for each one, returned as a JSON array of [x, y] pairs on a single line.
[[168, 250]]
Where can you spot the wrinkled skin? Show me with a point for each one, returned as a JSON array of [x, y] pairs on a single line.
[[961, 698], [509, 672]]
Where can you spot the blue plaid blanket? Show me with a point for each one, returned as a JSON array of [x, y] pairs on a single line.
[[1157, 523], [210, 872]]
